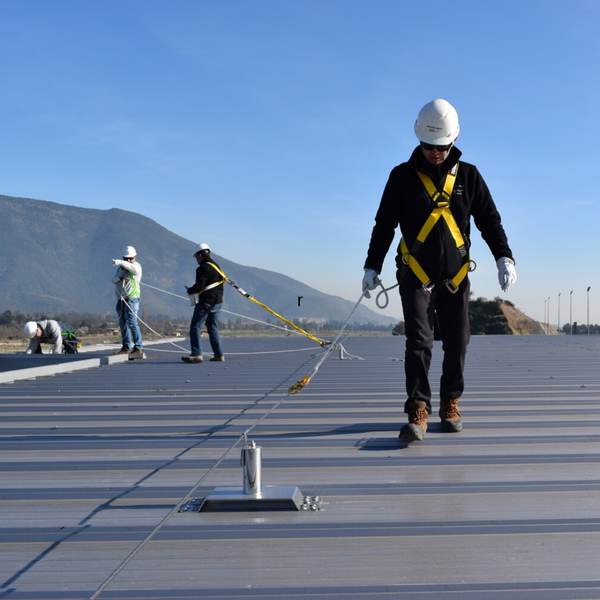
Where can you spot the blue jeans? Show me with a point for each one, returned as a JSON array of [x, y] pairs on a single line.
[[128, 323], [209, 313]]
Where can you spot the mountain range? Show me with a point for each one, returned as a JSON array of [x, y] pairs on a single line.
[[56, 258]]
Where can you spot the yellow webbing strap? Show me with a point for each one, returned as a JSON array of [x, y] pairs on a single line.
[[312, 337], [453, 283], [323, 343], [448, 185], [217, 283], [442, 210], [412, 263], [244, 293]]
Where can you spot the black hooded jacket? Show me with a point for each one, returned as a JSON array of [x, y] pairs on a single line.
[[406, 203], [206, 274]]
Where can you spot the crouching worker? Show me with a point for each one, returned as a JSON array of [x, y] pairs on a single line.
[[56, 333], [207, 296]]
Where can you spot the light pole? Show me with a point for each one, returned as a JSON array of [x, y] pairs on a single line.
[[571, 312], [548, 328], [559, 312], [545, 328], [588, 310]]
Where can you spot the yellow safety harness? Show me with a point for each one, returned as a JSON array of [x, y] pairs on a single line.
[[441, 210], [217, 283]]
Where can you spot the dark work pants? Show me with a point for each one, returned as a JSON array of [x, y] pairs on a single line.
[[420, 311]]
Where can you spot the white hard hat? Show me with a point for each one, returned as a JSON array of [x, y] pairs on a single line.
[[201, 248], [129, 252], [437, 123], [30, 328]]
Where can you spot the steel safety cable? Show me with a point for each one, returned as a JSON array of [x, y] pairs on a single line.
[[244, 293], [295, 329], [152, 330], [291, 391], [181, 502], [306, 380]]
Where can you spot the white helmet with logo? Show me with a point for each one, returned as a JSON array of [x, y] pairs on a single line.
[[129, 252], [204, 248], [30, 328], [437, 123]]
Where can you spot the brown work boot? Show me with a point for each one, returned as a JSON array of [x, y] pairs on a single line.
[[192, 359], [451, 421], [416, 427], [123, 351], [217, 359]]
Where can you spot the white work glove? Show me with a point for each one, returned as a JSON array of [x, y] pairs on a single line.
[[370, 281], [507, 274], [116, 262]]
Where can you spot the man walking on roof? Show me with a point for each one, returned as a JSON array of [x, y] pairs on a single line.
[[432, 197], [127, 288], [207, 295]]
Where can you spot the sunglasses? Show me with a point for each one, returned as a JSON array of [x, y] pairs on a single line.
[[438, 148]]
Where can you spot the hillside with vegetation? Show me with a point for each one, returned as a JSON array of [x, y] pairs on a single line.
[[500, 317]]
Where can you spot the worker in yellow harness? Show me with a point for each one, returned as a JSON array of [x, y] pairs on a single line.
[[207, 296], [432, 197]]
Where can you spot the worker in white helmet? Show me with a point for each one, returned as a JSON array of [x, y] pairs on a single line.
[[127, 288], [59, 335], [207, 296], [432, 197]]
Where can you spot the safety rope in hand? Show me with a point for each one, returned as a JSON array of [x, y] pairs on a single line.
[[299, 385], [162, 337], [384, 291]]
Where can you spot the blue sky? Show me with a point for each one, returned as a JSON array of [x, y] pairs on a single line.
[[268, 128]]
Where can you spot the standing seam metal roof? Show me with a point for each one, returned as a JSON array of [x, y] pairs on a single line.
[[92, 461]]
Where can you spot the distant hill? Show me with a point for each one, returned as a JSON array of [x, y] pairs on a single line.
[[56, 258], [521, 324], [498, 317]]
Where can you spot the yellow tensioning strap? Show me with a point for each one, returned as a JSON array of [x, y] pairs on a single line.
[[323, 343], [247, 295]]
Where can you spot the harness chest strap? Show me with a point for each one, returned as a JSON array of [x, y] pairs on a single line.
[[441, 210], [217, 283]]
